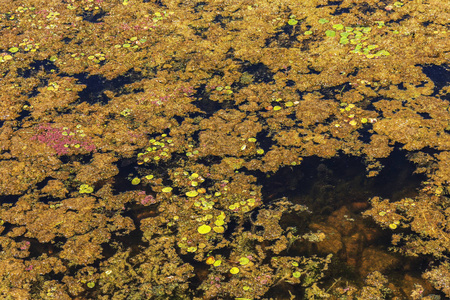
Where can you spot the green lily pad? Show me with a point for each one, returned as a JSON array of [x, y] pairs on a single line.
[[382, 52], [292, 22], [330, 33]]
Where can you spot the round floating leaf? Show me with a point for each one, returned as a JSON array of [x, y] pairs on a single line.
[[166, 189], [338, 26], [192, 193], [85, 189], [292, 22], [382, 52], [243, 261], [330, 33], [13, 49], [393, 226], [234, 270], [219, 222], [219, 229], [204, 229], [323, 21]]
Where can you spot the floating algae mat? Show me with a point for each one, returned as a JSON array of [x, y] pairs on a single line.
[[224, 150]]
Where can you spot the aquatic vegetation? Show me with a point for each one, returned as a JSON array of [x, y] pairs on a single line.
[[204, 229], [85, 189], [166, 189], [160, 148], [137, 140], [192, 194], [63, 140], [135, 181], [292, 21]]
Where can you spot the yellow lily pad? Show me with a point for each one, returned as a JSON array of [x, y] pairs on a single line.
[[192, 193], [204, 229]]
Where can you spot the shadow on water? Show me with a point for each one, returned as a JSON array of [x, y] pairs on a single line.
[[327, 184], [337, 191], [440, 75]]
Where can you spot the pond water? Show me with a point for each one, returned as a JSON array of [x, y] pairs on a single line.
[[224, 150]]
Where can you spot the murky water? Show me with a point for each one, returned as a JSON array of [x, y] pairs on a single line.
[[224, 150]]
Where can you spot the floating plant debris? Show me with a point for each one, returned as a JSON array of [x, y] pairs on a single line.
[[207, 149]]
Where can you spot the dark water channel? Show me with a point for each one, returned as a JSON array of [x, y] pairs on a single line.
[[337, 191]]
